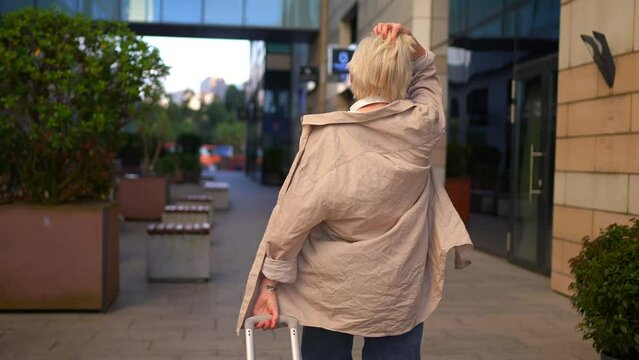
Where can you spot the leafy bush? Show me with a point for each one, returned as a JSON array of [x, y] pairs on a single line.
[[173, 164], [606, 290], [167, 165], [7, 133], [189, 143], [190, 166], [131, 152], [456, 160], [68, 86]]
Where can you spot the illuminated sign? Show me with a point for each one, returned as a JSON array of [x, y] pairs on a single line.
[[339, 58]]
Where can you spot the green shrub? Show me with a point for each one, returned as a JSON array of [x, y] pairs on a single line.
[[68, 86], [131, 152], [189, 143], [7, 134], [172, 164], [456, 160], [190, 166], [606, 290], [167, 165]]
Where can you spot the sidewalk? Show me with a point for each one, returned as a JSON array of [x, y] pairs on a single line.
[[492, 310]]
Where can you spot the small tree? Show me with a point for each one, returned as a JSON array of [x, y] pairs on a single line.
[[68, 86], [152, 124], [231, 133]]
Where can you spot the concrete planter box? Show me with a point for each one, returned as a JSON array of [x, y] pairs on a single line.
[[62, 257], [187, 214], [219, 192], [177, 252], [143, 198]]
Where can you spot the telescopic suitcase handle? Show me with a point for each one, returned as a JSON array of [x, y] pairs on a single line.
[[283, 320]]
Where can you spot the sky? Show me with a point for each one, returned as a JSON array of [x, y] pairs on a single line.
[[194, 59]]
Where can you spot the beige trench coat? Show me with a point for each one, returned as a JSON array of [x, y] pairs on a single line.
[[360, 231]]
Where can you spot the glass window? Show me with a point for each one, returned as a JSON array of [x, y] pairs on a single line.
[[547, 19], [278, 48], [264, 13], [141, 10], [182, 11], [99, 9], [477, 107], [525, 20], [510, 23], [492, 29], [457, 15], [302, 13], [68, 6], [224, 12], [478, 11], [8, 6]]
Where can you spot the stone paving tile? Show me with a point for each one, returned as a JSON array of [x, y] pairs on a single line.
[[129, 334], [491, 311], [119, 357]]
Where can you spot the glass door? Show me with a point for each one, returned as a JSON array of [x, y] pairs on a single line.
[[533, 137]]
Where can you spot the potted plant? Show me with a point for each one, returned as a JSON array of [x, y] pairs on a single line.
[[68, 86], [457, 181], [606, 291], [189, 145], [142, 196], [184, 163]]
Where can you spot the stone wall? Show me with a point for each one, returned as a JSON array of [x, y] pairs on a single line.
[[597, 149]]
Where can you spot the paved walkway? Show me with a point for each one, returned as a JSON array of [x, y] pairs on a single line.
[[492, 310]]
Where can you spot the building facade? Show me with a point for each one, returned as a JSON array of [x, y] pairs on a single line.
[[275, 98], [597, 138], [275, 20], [212, 89]]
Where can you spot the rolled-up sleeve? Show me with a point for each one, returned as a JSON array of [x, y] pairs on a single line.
[[299, 209]]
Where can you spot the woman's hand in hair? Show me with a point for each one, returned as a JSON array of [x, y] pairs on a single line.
[[393, 30]]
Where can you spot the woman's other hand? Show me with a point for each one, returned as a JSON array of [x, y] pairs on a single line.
[[393, 30], [266, 303]]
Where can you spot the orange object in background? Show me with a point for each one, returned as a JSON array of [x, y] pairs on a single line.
[[208, 157]]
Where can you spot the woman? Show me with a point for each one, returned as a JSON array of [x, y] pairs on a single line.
[[357, 242]]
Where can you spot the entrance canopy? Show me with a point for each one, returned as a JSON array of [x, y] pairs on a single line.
[[269, 20]]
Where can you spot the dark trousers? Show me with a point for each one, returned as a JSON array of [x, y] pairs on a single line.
[[322, 344]]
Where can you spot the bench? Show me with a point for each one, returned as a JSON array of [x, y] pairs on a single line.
[[178, 252], [187, 214], [219, 192]]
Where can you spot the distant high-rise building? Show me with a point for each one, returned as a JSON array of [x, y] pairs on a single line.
[[188, 96], [212, 88]]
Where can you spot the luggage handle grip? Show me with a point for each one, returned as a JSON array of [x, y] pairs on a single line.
[[282, 321]]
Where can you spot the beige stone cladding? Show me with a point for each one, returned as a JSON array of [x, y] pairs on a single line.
[[597, 148]]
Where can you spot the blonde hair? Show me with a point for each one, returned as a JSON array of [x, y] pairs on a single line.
[[382, 67]]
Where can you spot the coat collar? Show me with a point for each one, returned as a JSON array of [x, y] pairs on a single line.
[[367, 101], [349, 117]]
